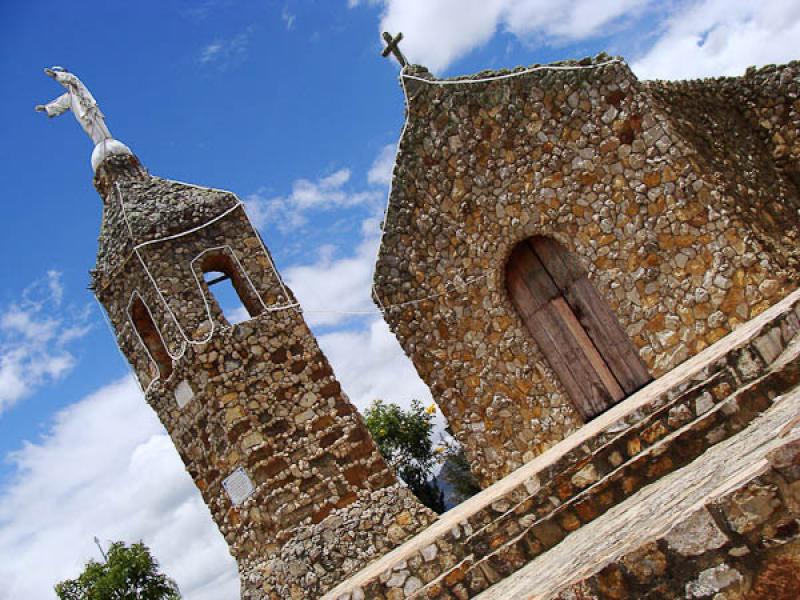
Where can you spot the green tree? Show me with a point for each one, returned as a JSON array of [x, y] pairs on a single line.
[[404, 439], [128, 573], [456, 472]]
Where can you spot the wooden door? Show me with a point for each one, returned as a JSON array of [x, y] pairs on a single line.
[[573, 326]]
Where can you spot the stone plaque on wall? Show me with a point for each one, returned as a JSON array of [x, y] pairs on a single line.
[[239, 486], [183, 393]]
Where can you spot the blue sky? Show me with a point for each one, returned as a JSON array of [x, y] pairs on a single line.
[[289, 105]]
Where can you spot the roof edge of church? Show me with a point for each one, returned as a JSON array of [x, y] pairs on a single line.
[[417, 71]]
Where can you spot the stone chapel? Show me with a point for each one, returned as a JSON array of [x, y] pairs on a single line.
[[596, 276], [559, 236]]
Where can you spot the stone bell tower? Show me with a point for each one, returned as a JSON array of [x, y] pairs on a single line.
[[280, 455], [283, 460]]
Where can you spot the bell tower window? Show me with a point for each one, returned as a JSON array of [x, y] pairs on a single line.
[[142, 321], [229, 288], [221, 287]]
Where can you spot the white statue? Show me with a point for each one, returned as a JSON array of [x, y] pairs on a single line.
[[80, 101], [83, 105]]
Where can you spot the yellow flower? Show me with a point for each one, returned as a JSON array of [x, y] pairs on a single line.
[[431, 410]]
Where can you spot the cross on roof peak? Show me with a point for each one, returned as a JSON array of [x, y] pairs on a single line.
[[393, 48]]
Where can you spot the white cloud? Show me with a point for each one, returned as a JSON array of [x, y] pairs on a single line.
[[370, 364], [55, 286], [380, 173], [200, 10], [693, 38], [289, 212], [327, 191], [354, 3], [438, 33], [106, 468], [722, 37], [288, 18], [330, 289], [365, 355], [211, 52], [35, 333], [224, 53], [563, 22]]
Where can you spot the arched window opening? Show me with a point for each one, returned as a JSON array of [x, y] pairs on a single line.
[[574, 327], [221, 287], [146, 328], [231, 291]]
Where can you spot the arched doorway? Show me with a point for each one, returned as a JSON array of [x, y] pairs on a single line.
[[573, 326]]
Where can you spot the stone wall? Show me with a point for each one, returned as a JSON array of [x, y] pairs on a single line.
[[584, 155], [257, 396], [741, 546], [746, 131]]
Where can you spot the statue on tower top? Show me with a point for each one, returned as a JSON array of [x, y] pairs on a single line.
[[79, 99]]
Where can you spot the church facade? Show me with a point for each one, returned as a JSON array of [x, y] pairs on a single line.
[[559, 236]]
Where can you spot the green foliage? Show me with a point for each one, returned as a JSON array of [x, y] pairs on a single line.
[[129, 573], [456, 472], [402, 436], [404, 439]]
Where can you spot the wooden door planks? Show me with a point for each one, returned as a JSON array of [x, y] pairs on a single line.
[[594, 314], [609, 337], [562, 267], [588, 349], [573, 326], [529, 269], [558, 334]]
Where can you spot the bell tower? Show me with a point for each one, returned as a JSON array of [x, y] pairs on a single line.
[[283, 460]]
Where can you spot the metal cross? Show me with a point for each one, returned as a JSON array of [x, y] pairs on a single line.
[[393, 48]]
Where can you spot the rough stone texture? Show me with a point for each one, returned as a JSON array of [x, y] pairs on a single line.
[[696, 535], [637, 443], [264, 396], [630, 554], [747, 131], [684, 212], [319, 556]]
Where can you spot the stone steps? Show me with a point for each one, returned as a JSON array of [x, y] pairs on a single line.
[[725, 523], [655, 432], [717, 421]]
